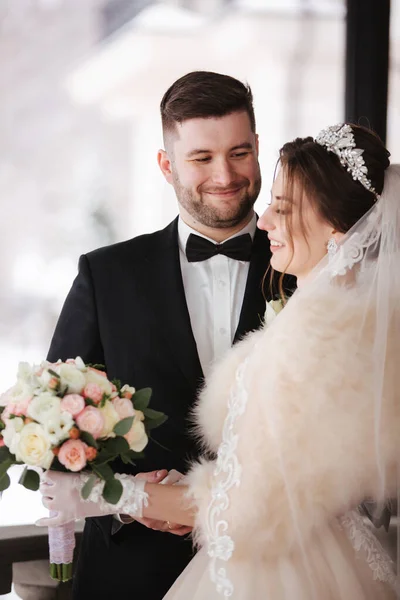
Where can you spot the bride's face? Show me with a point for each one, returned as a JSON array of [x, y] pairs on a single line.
[[298, 233]]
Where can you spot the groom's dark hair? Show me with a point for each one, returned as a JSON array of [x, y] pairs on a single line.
[[204, 94]]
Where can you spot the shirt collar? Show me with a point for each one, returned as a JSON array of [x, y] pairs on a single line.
[[184, 231]]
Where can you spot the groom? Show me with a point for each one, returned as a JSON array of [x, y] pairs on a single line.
[[158, 309]]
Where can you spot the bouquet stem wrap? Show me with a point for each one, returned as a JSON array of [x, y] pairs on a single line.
[[61, 549]]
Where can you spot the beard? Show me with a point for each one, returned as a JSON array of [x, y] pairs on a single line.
[[218, 217]]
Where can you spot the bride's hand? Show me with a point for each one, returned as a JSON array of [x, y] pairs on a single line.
[[163, 476]]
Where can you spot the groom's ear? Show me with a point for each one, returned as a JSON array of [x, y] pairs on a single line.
[[257, 144], [164, 163]]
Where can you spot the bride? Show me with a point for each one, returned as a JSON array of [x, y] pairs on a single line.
[[300, 420]]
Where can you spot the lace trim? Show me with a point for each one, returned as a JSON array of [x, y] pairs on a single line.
[[357, 244], [365, 542], [132, 500], [226, 476]]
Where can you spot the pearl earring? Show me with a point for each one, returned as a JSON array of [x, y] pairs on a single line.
[[332, 247]]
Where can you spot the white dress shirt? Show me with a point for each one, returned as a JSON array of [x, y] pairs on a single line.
[[214, 291]]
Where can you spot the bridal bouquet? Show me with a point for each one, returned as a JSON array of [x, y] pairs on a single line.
[[68, 416]]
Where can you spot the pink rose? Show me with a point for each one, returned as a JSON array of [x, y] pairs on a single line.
[[2, 442], [72, 455], [124, 407], [73, 403], [19, 408], [91, 420], [94, 392]]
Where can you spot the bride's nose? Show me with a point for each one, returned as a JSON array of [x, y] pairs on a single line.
[[265, 222]]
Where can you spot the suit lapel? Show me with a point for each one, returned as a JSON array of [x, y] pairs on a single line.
[[253, 308], [167, 297]]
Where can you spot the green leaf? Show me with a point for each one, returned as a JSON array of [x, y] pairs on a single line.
[[112, 491], [149, 413], [117, 383], [90, 402], [141, 398], [30, 479], [88, 439], [103, 471], [154, 423], [5, 465], [6, 454], [103, 458], [126, 459], [137, 455], [123, 426], [56, 375], [87, 488], [4, 482], [96, 366], [117, 445], [1, 409]]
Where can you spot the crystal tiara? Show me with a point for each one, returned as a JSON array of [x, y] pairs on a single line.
[[339, 139]]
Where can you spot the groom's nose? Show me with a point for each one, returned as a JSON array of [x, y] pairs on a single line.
[[223, 173]]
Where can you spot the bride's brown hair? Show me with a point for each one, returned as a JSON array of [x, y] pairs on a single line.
[[335, 195]]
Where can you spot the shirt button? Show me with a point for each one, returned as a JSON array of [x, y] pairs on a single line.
[[221, 283], [222, 331]]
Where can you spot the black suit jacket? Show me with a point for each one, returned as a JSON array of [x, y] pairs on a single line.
[[127, 310]]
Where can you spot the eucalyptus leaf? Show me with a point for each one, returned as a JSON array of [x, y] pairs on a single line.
[[141, 398], [87, 488], [123, 426], [117, 445], [126, 459], [154, 423], [88, 439], [149, 413], [5, 464], [112, 491], [103, 471], [30, 479], [56, 375], [4, 482]]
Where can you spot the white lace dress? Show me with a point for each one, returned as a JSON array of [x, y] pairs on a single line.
[[343, 559]]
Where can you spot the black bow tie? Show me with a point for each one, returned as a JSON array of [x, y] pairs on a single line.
[[198, 248]]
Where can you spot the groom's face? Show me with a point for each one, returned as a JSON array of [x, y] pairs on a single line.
[[212, 164]]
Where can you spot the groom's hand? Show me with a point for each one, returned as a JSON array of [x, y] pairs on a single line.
[[174, 528]]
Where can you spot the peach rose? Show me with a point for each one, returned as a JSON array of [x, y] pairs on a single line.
[[91, 453], [124, 407], [72, 455], [91, 420], [73, 403], [94, 392], [2, 442]]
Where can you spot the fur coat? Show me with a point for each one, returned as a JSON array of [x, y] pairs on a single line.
[[306, 439]]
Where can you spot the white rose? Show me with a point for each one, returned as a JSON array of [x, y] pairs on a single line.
[[11, 433], [127, 391], [80, 364], [44, 407], [136, 436], [33, 446], [110, 419], [102, 381], [57, 429], [24, 372], [72, 377], [20, 393]]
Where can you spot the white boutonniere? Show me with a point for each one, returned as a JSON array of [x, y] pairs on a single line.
[[273, 308]]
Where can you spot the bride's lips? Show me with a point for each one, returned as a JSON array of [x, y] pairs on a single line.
[[275, 245]]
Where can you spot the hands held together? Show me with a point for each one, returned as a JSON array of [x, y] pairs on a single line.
[[61, 494]]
